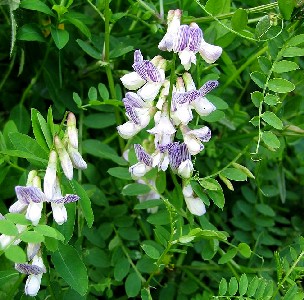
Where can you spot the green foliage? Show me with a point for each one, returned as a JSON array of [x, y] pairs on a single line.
[[126, 239]]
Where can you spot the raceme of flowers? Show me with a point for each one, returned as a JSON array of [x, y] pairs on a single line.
[[149, 99], [30, 200]]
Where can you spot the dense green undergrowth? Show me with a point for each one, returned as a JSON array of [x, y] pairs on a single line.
[[69, 56]]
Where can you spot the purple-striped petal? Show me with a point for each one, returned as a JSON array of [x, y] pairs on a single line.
[[147, 71], [177, 154], [29, 269], [142, 155], [182, 38], [138, 58], [195, 37], [27, 194], [208, 87]]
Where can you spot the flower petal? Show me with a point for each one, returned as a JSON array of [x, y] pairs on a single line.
[[210, 53], [132, 81], [28, 194], [142, 155], [128, 129]]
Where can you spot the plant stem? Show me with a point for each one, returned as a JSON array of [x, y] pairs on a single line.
[[109, 70]]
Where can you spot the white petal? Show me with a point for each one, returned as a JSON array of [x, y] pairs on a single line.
[[32, 285], [165, 163], [187, 191], [128, 129], [143, 115], [194, 146], [183, 114], [203, 107], [72, 130], [32, 249], [64, 158], [132, 81], [196, 206], [187, 57], [33, 212], [210, 53], [76, 158], [5, 240], [17, 207], [59, 213], [139, 170], [185, 169], [50, 175], [149, 91]]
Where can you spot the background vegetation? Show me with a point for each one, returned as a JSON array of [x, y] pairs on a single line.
[[69, 56]]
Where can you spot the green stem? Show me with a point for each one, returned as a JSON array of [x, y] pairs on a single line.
[[109, 70], [172, 80], [96, 9]]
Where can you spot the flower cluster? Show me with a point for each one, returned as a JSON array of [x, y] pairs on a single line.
[[174, 107], [31, 198]]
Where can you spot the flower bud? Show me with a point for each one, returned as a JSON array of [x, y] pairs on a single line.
[[128, 129], [76, 158], [30, 177], [139, 170], [64, 158], [50, 175], [72, 130], [59, 213], [185, 169], [196, 206]]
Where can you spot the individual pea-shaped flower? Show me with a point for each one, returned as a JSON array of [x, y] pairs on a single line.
[[50, 175], [194, 138], [144, 162], [71, 143], [163, 130], [147, 75], [35, 271], [58, 201], [30, 198], [195, 205], [180, 160]]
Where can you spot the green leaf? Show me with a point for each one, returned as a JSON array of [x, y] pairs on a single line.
[[271, 140], [103, 91], [216, 7], [46, 230], [36, 5], [120, 172], [262, 27], [223, 287], [214, 116], [8, 227], [99, 120], [21, 118], [265, 210], [120, 50], [121, 268], [197, 188], [229, 255], [30, 157], [265, 64], [60, 37], [77, 99], [85, 203], [271, 119], [134, 189], [38, 130], [239, 19], [67, 228], [259, 78], [293, 51], [234, 174], [88, 49], [253, 286], [244, 249], [217, 197], [74, 19], [97, 148], [243, 285], [151, 251], [30, 32], [210, 184], [296, 40], [17, 218], [286, 8], [257, 98], [24, 143], [160, 218], [233, 286], [132, 285], [92, 94], [271, 100], [6, 276], [15, 253], [31, 237], [71, 268], [148, 204], [285, 66]]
